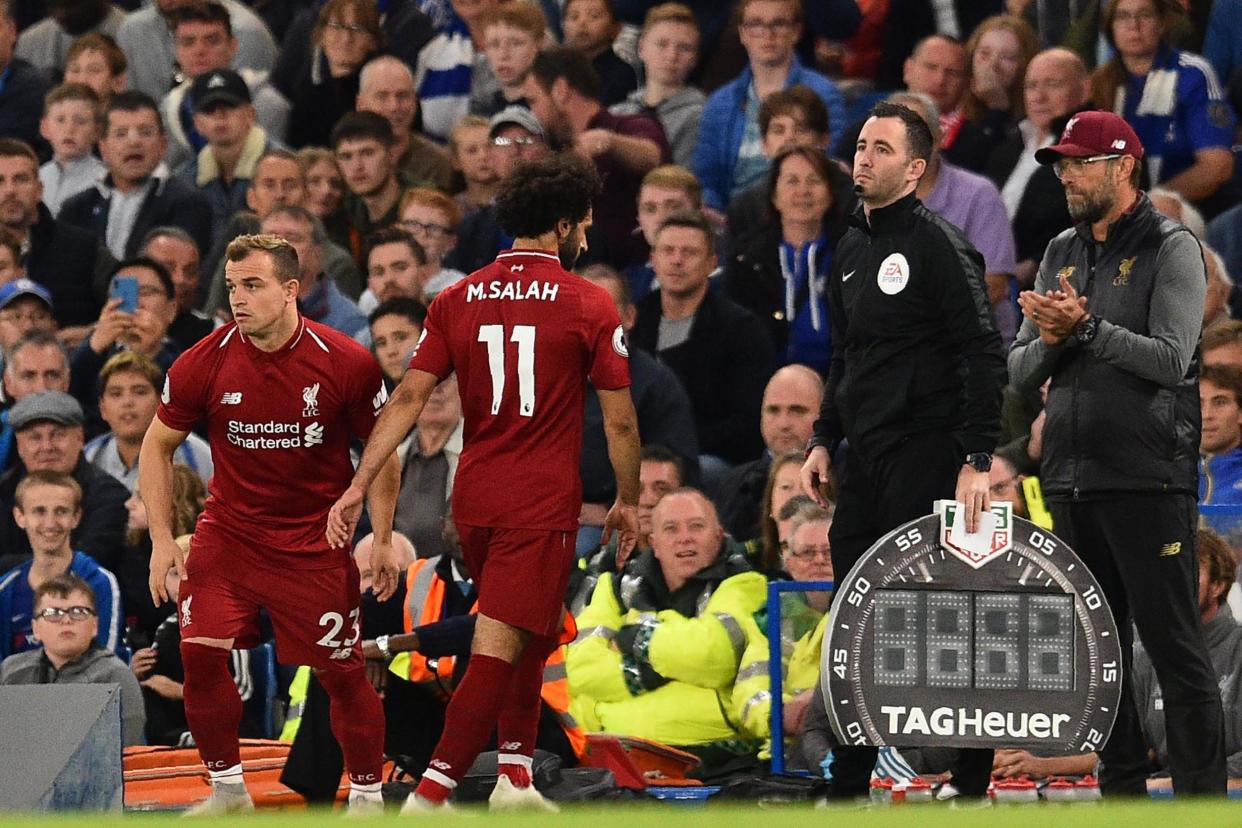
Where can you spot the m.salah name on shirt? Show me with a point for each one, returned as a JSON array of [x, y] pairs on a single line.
[[543, 291]]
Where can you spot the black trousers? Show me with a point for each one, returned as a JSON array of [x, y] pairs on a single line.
[[1141, 548], [414, 723], [878, 495]]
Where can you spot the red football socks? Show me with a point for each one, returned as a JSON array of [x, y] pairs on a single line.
[[357, 723], [213, 707], [468, 724], [518, 724]]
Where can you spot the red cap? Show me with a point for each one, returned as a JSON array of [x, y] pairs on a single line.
[[1093, 133]]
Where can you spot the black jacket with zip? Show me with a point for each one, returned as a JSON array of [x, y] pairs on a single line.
[[1123, 411], [914, 346]]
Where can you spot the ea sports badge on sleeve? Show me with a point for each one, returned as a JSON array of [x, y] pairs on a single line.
[[1001, 638]]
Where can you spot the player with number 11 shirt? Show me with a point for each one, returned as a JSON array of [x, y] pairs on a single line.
[[523, 335]]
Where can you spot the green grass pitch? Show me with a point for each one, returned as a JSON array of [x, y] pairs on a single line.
[[1216, 814]]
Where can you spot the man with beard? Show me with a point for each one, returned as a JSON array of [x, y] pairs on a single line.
[[566, 98], [58, 256], [909, 311], [524, 336], [1114, 320]]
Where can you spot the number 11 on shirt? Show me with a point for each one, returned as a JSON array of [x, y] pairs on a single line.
[[524, 335]]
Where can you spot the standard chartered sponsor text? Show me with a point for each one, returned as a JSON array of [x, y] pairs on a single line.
[[260, 435]]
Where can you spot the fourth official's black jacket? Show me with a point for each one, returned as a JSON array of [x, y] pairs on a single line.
[[914, 347]]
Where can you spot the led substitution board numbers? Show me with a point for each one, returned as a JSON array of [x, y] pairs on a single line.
[[1001, 640]]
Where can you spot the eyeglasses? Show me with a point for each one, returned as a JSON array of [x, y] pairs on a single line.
[[433, 230], [57, 615], [517, 143], [1142, 17], [348, 28], [810, 551], [758, 27], [1079, 164]]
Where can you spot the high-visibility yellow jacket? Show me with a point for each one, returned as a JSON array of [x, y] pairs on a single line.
[[297, 703], [752, 696], [673, 682]]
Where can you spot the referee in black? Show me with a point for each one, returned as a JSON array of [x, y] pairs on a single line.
[[1114, 322], [915, 381]]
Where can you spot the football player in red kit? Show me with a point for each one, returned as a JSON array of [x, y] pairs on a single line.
[[524, 336], [282, 397]]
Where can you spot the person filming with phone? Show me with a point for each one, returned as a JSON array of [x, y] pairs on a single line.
[[136, 317]]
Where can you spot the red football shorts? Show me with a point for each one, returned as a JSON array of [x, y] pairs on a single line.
[[520, 575], [315, 613]]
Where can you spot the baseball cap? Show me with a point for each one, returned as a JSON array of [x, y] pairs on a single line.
[[219, 86], [1093, 133], [519, 115], [14, 290], [55, 406]]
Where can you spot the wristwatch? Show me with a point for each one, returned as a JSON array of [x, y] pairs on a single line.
[[980, 461], [381, 644], [1086, 330]]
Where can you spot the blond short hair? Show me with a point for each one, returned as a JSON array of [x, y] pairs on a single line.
[[282, 255]]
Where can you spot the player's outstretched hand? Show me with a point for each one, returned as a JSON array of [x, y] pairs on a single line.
[[384, 575], [165, 555], [623, 520], [343, 518]]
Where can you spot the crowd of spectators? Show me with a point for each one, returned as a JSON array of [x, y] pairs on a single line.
[[136, 140]]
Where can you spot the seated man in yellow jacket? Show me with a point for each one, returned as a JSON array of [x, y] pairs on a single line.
[[805, 556], [659, 645]]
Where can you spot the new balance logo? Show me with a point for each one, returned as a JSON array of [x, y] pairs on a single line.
[[440, 764], [313, 435], [231, 398], [341, 654], [379, 399], [1170, 549], [1119, 144], [511, 746]]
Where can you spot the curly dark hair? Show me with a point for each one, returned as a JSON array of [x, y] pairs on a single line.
[[541, 192]]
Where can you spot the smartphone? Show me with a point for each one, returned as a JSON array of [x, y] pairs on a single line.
[[125, 288]]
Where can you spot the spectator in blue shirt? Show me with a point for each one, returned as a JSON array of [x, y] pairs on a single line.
[[729, 156], [1220, 441], [48, 508], [1172, 98]]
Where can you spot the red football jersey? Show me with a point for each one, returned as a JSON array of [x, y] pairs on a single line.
[[523, 335], [280, 426]]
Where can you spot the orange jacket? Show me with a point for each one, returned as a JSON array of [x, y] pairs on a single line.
[[424, 598]]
